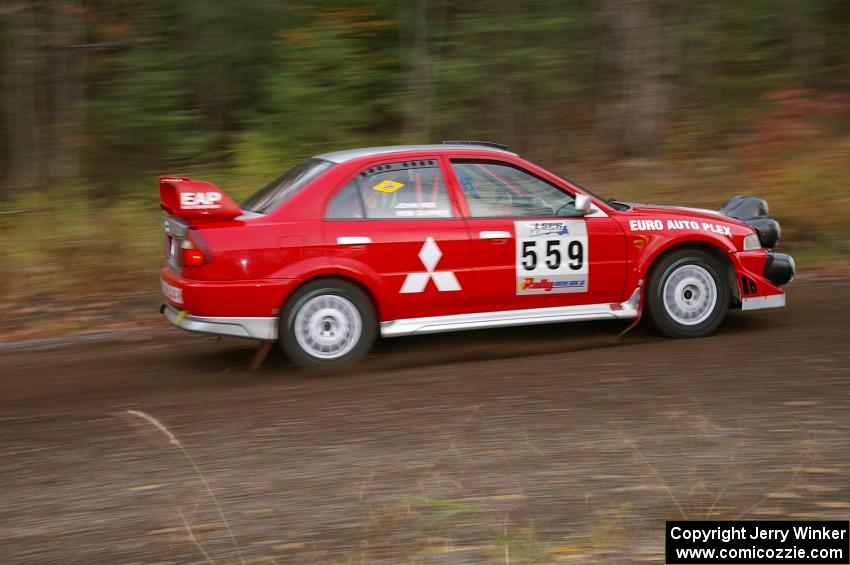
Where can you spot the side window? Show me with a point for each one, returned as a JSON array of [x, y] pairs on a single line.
[[412, 189], [346, 204], [500, 190]]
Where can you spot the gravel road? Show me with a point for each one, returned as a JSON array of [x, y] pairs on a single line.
[[561, 443]]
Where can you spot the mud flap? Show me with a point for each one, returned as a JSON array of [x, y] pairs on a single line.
[[261, 354], [637, 319]]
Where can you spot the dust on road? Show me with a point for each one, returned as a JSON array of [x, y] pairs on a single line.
[[559, 443]]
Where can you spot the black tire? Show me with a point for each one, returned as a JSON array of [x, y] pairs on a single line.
[[687, 310], [326, 295]]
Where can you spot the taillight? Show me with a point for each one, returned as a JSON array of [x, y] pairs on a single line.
[[191, 257]]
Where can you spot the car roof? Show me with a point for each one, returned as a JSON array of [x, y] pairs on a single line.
[[350, 154]]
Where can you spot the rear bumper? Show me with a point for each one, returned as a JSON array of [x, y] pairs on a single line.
[[226, 299], [250, 328], [247, 309]]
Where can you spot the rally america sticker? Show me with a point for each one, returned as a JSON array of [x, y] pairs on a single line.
[[551, 256]]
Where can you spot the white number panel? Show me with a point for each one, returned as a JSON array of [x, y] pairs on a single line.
[[551, 256]]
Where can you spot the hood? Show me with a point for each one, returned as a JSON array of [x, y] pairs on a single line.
[[698, 213]]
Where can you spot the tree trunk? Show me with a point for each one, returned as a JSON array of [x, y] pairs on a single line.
[[635, 74], [417, 107], [804, 38], [23, 60], [67, 89]]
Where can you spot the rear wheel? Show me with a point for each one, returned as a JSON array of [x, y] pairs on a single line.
[[327, 323], [687, 294]]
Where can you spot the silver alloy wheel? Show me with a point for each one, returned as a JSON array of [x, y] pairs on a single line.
[[328, 326], [689, 295]]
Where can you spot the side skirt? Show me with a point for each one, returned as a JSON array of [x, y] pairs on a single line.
[[479, 320]]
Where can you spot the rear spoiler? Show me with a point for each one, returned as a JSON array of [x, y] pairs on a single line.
[[195, 200]]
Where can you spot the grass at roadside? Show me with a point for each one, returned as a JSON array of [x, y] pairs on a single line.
[[444, 514]]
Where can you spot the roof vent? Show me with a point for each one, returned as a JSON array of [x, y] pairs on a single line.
[[471, 142]]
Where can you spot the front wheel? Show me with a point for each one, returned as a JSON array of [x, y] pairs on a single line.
[[327, 323], [687, 294]]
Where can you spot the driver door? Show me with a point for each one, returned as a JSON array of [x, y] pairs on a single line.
[[530, 247]]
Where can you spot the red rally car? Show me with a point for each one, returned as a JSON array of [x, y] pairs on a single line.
[[395, 241]]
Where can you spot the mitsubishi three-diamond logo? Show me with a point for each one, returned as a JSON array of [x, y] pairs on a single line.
[[430, 254]]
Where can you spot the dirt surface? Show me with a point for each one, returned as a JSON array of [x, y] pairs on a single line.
[[559, 443]]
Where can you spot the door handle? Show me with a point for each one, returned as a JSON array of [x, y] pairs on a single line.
[[353, 240], [494, 235]]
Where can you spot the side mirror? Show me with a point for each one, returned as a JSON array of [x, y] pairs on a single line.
[[582, 204]]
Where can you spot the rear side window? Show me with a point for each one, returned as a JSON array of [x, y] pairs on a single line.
[[280, 189], [407, 190], [347, 204]]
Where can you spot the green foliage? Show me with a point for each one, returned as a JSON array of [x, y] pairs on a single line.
[[187, 83], [143, 116], [513, 72], [336, 80]]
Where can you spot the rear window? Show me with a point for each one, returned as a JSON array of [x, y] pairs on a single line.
[[280, 189]]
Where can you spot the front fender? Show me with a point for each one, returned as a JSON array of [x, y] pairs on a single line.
[[748, 267], [646, 248]]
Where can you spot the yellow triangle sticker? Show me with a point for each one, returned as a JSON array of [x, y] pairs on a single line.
[[388, 186]]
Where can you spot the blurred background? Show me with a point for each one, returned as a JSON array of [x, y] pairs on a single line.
[[670, 101], [552, 444]]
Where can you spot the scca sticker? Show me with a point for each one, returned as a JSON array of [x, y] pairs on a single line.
[[551, 256], [388, 186]]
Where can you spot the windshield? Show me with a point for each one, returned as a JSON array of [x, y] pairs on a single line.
[[280, 189]]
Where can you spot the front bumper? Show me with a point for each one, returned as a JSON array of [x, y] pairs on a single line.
[[779, 268], [761, 302], [250, 328], [760, 274]]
